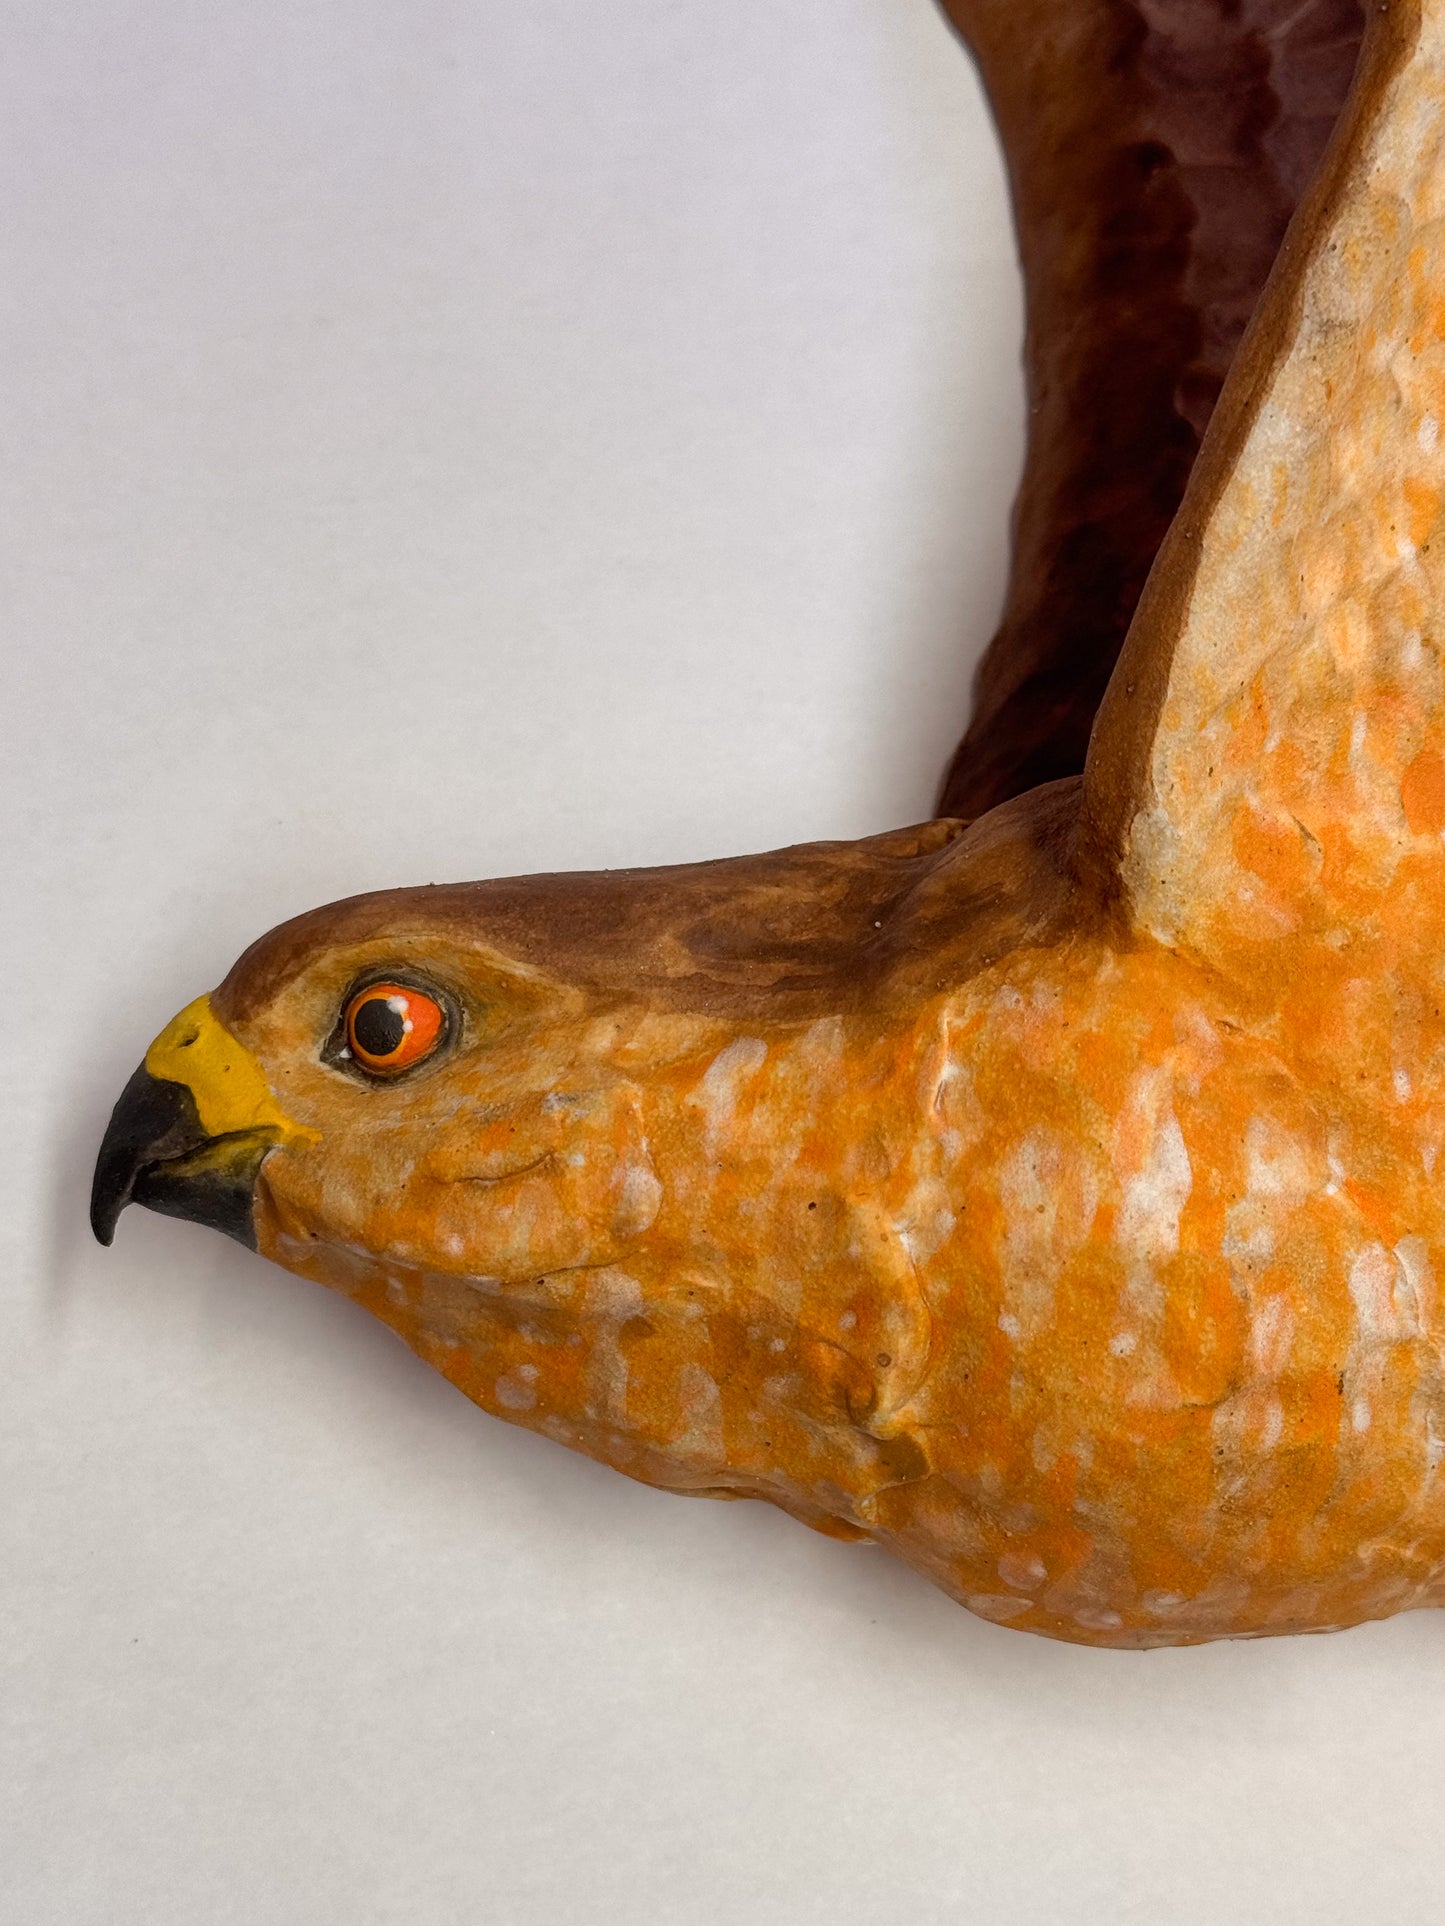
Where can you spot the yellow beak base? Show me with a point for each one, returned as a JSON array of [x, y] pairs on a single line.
[[191, 1131]]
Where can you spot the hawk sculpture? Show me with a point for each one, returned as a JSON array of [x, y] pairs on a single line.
[[1052, 1193]]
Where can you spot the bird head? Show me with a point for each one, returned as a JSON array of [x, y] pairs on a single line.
[[589, 1142], [382, 1072], [366, 1068]]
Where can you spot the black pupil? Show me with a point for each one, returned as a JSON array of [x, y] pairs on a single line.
[[377, 1028]]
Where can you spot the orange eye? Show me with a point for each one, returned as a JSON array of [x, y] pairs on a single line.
[[390, 1026]]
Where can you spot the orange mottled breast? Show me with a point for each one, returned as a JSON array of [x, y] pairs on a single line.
[[1188, 1373], [1068, 1285]]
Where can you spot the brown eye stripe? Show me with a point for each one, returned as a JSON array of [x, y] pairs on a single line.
[[390, 1026]]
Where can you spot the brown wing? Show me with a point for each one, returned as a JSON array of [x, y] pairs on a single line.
[[1267, 778], [1157, 150]]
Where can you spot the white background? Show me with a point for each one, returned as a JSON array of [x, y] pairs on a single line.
[[457, 438]]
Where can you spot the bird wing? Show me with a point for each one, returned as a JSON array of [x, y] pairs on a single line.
[[1157, 150], [1267, 778]]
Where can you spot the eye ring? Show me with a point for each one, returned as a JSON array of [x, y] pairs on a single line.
[[390, 1026]]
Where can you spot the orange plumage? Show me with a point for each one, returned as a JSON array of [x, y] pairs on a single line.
[[1052, 1198]]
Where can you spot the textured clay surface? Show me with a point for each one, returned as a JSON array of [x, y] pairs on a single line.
[[1054, 1201]]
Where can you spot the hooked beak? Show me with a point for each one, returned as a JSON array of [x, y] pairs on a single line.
[[191, 1131]]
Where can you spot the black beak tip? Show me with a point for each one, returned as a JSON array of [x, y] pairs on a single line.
[[128, 1135], [156, 1153], [152, 1121]]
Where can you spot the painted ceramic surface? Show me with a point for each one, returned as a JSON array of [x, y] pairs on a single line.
[[1052, 1199], [1065, 1283]]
